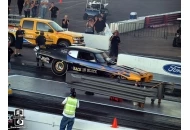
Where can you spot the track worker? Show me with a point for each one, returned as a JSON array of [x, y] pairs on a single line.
[[19, 41], [115, 41], [70, 104], [40, 41]]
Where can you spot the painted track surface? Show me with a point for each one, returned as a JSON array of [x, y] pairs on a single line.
[[91, 112], [119, 9]]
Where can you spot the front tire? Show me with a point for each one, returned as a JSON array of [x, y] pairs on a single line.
[[63, 43], [59, 67]]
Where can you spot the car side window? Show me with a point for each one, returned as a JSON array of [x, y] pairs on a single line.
[[42, 27], [73, 53], [28, 24], [86, 56]]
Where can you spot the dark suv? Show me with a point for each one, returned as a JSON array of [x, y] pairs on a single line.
[[94, 10]]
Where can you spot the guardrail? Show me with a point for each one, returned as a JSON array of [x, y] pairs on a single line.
[[114, 89]]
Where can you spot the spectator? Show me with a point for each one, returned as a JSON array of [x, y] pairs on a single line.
[[20, 4], [103, 17], [70, 104], [90, 26], [65, 23], [37, 7], [54, 11], [10, 52], [19, 41], [9, 12], [40, 41], [95, 18], [27, 7], [34, 7], [43, 10], [115, 40], [9, 3], [99, 26]]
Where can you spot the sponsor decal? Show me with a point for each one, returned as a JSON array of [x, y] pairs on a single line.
[[172, 69], [85, 70], [45, 59], [64, 51]]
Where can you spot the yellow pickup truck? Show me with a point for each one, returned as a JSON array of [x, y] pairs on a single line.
[[52, 31]]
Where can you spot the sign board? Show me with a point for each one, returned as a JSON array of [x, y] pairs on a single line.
[[158, 66]]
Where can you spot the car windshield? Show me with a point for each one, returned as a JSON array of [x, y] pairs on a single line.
[[56, 27], [101, 57]]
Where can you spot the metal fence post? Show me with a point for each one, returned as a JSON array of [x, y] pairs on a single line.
[[160, 92]]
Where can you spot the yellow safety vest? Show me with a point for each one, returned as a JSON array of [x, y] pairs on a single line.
[[70, 106]]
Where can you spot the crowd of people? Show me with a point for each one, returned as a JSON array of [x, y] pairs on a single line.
[[96, 25], [36, 8]]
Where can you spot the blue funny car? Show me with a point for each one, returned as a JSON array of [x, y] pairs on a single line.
[[89, 60]]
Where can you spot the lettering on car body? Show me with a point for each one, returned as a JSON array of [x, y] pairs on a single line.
[[92, 71], [76, 69], [84, 70], [45, 59]]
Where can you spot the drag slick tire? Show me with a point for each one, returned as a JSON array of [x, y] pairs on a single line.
[[59, 67]]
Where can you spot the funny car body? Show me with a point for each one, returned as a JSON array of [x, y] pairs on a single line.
[[88, 60]]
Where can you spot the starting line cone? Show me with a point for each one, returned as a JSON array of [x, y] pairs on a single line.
[[114, 123]]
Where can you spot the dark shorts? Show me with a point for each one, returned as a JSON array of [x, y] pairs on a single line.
[[18, 45], [113, 52]]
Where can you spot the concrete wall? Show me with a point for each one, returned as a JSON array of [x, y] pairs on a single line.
[[97, 41], [128, 25]]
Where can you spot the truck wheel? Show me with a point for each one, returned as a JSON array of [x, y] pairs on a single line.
[[63, 43], [85, 17], [11, 39], [59, 67]]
